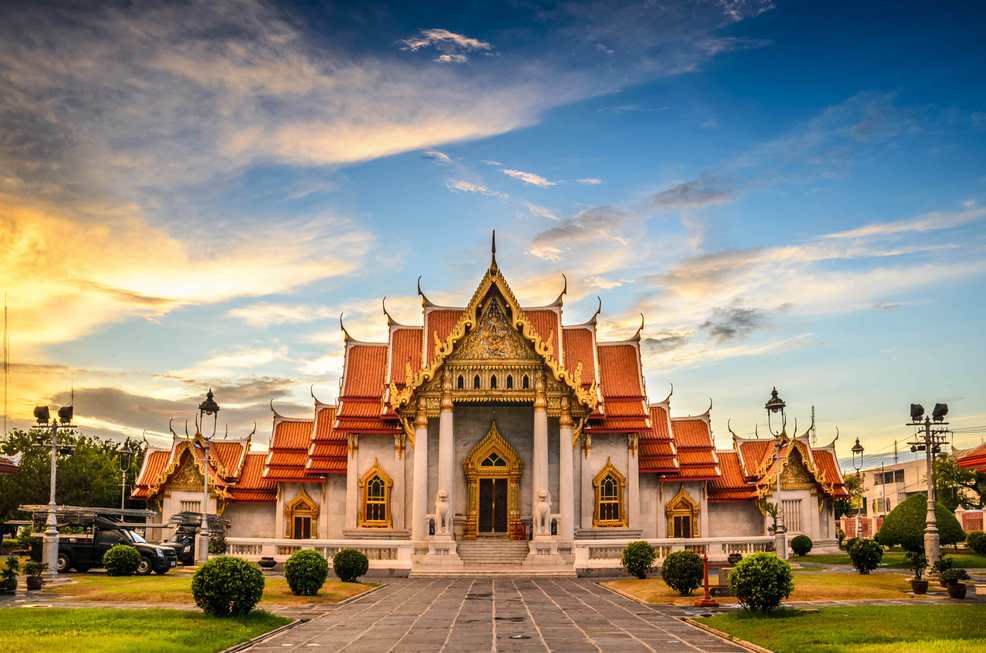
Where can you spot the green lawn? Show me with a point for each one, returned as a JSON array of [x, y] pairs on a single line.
[[894, 559], [124, 631], [172, 588], [863, 629]]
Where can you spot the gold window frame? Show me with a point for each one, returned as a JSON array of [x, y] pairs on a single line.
[[301, 506], [364, 485], [474, 469], [621, 484], [683, 505]]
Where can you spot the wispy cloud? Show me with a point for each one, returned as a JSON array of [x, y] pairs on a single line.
[[465, 186], [591, 181], [933, 221], [698, 193], [734, 322], [540, 211], [451, 45], [529, 178]]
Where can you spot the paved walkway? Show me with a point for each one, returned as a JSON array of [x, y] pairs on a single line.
[[508, 614]]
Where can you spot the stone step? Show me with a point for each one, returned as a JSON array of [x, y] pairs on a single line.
[[493, 572]]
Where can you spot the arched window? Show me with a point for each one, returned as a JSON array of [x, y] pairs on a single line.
[[301, 517], [475, 382], [682, 512], [527, 382], [462, 383], [493, 382], [609, 485], [375, 486], [510, 382]]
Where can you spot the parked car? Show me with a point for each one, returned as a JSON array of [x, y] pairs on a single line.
[[183, 542], [85, 551]]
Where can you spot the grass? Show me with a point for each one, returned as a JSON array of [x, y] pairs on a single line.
[[862, 629], [123, 631], [894, 559], [807, 587], [178, 589]]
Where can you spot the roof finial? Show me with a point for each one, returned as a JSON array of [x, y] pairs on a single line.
[[143, 436], [598, 310], [670, 393], [343, 327], [564, 290], [384, 303], [636, 336], [493, 267]]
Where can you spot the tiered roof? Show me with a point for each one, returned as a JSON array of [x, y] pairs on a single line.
[[972, 458]]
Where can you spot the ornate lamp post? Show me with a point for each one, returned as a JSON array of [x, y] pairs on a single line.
[[931, 443], [125, 460], [776, 405], [207, 407], [857, 464], [49, 549]]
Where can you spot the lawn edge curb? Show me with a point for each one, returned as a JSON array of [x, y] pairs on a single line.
[[725, 636], [259, 638]]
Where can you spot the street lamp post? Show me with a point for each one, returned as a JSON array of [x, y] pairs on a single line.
[[931, 443], [125, 461], [49, 548], [776, 405], [857, 464], [207, 407]]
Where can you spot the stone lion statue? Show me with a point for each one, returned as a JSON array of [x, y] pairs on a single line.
[[542, 513], [443, 512]]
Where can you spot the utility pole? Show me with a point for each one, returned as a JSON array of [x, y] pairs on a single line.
[[814, 437], [895, 452], [930, 444]]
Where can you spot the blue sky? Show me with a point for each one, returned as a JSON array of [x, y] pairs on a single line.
[[791, 193]]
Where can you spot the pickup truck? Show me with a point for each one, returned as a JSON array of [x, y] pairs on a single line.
[[83, 552]]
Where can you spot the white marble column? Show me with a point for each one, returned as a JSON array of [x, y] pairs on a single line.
[[539, 471], [566, 490], [631, 499], [352, 482], [446, 459], [419, 506]]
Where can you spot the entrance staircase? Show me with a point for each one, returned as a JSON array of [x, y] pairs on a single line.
[[493, 556]]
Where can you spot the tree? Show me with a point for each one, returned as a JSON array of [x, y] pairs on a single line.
[[956, 487], [90, 476], [848, 506], [906, 523]]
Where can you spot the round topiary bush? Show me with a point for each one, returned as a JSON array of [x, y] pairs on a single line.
[[306, 571], [865, 555], [683, 571], [905, 525], [349, 565], [977, 542], [850, 542], [761, 581], [638, 558], [227, 586], [121, 560], [801, 545]]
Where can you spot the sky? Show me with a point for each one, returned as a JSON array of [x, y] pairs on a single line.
[[791, 194]]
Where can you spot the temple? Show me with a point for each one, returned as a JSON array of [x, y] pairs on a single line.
[[495, 434]]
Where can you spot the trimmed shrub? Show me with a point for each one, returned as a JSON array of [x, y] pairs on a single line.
[[217, 544], [121, 560], [761, 581], [227, 586], [954, 576], [349, 565], [638, 558], [801, 545], [905, 525], [977, 542], [840, 535], [865, 555], [306, 571], [683, 571], [850, 542]]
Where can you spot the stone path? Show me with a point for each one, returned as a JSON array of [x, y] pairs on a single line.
[[503, 614]]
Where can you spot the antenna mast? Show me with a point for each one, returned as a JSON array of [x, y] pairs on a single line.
[[814, 437]]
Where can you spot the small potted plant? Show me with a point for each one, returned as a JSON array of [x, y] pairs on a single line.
[[952, 579], [919, 562], [8, 574], [942, 565], [34, 569]]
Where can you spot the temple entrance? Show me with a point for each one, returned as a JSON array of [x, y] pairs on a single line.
[[493, 471], [493, 505]]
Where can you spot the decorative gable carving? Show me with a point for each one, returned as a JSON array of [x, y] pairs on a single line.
[[493, 338]]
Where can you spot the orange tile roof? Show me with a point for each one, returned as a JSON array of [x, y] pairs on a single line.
[[634, 408], [228, 455], [286, 459], [442, 321], [365, 370], [828, 467], [253, 496], [660, 430], [619, 424], [619, 371], [405, 347], [292, 474], [252, 476], [328, 450], [972, 458], [367, 426], [324, 420], [754, 452], [699, 473], [155, 462], [578, 346], [691, 433], [326, 466], [659, 465], [653, 448], [546, 323], [696, 458], [730, 486], [291, 434], [350, 408]]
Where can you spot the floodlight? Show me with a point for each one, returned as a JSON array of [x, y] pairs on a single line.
[[41, 414], [917, 412], [939, 413], [65, 414]]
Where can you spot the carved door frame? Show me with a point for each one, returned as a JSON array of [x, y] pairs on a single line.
[[512, 470]]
